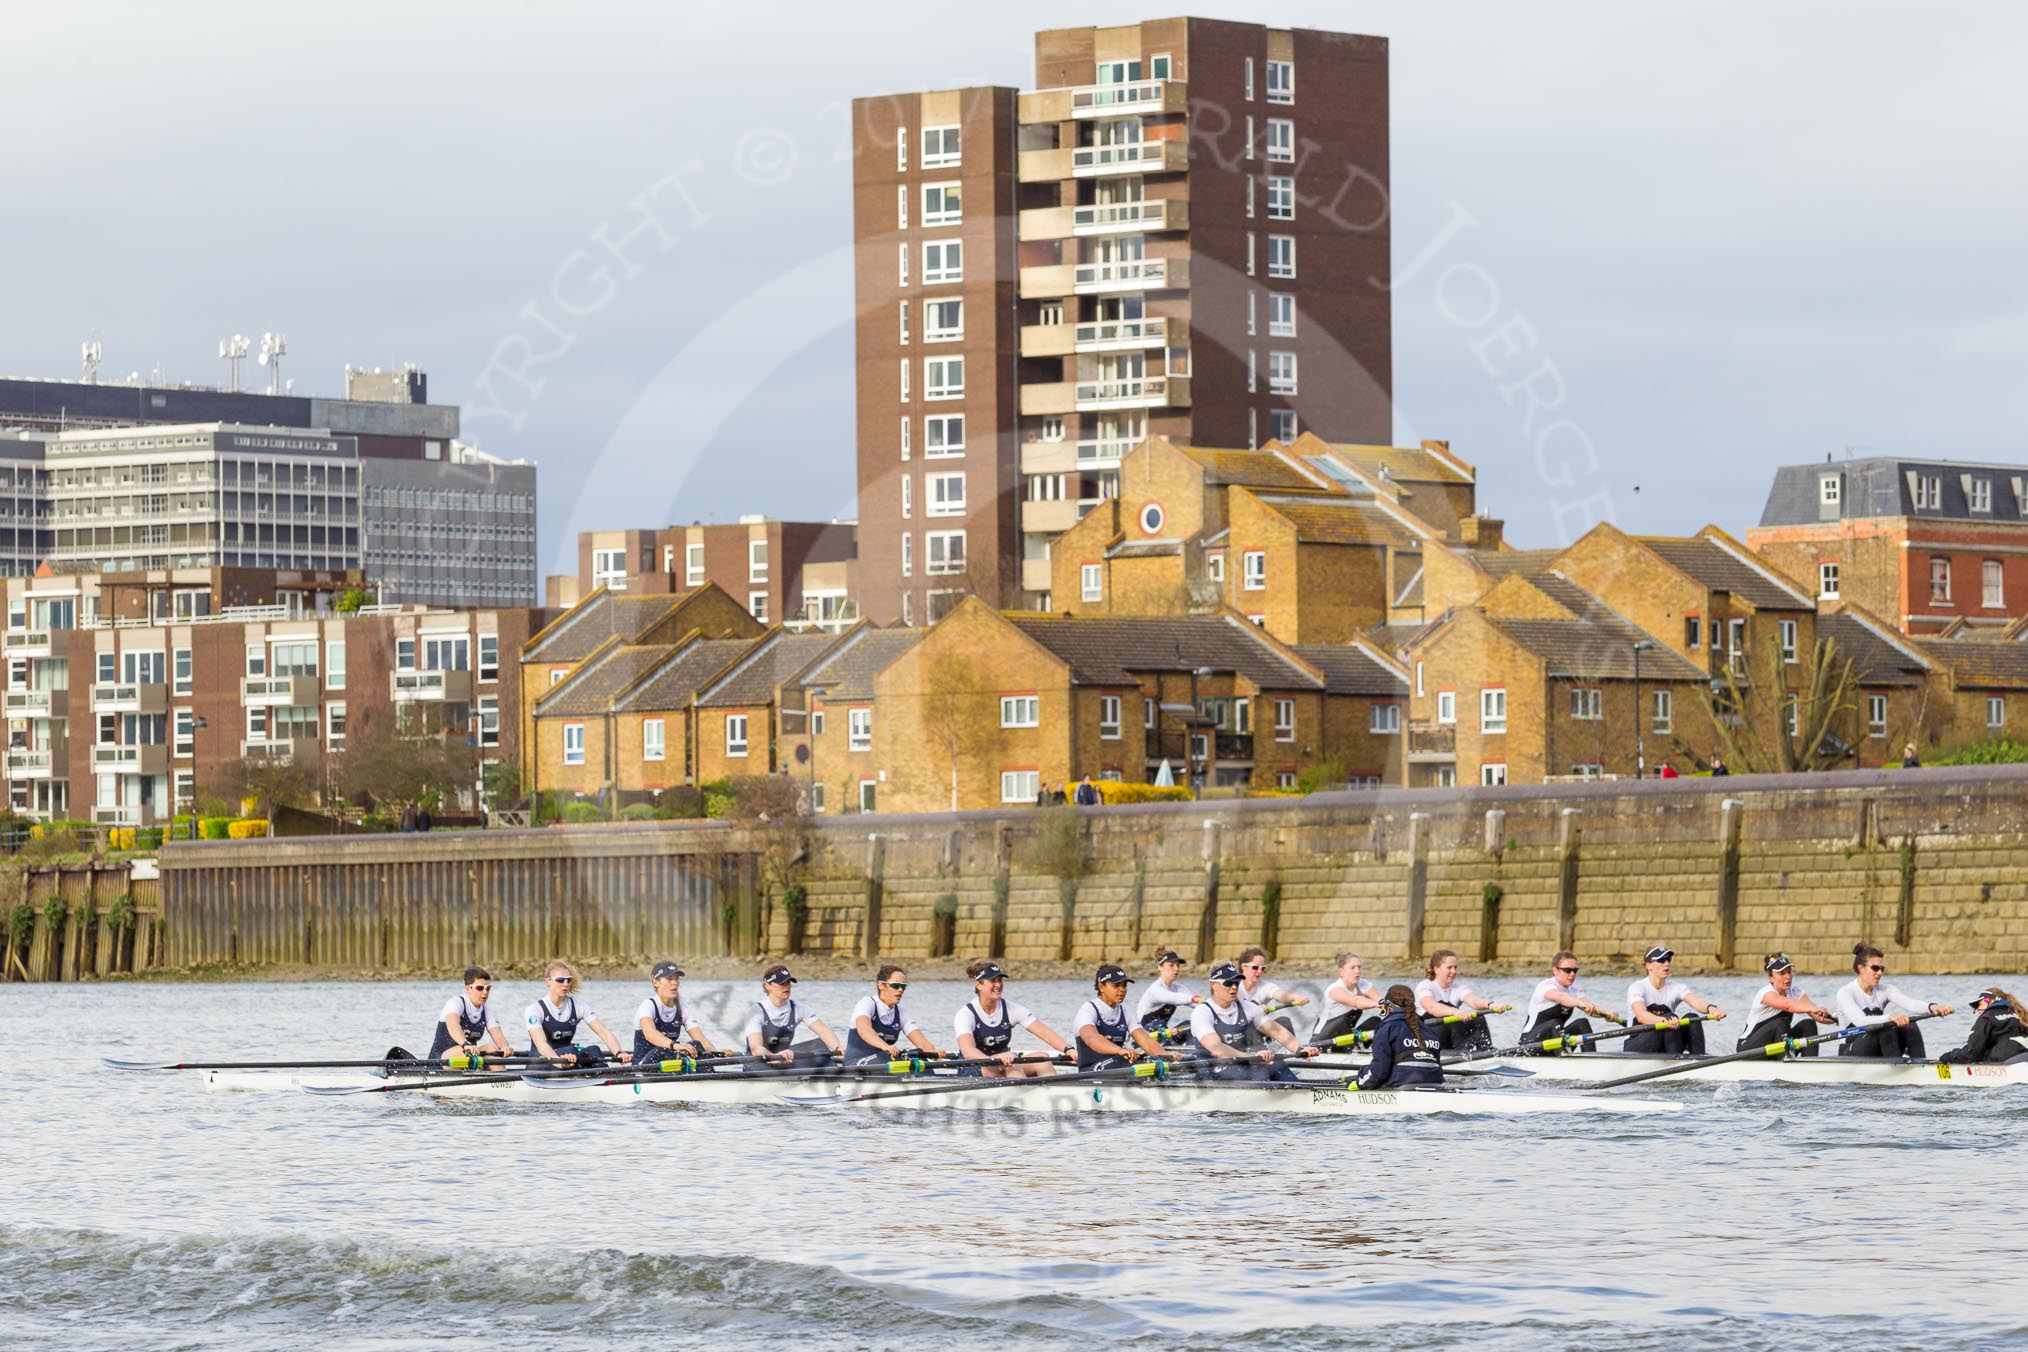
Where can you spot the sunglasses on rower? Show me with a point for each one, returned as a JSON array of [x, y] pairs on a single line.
[[481, 987], [1568, 971], [1875, 967], [897, 985]]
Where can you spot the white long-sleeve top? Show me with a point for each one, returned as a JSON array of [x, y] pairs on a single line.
[[1852, 1004]]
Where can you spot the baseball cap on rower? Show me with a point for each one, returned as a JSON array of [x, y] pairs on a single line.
[[1169, 955], [777, 975], [1988, 994], [665, 968], [1224, 974], [1776, 962], [1660, 953], [990, 972], [1111, 974]]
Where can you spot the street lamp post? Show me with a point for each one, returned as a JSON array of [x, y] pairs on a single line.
[[810, 696], [1640, 746]]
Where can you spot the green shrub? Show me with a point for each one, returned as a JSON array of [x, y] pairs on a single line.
[[54, 912], [795, 901], [121, 917], [20, 924], [214, 828], [685, 802], [148, 838], [1121, 791], [638, 812], [1322, 778], [2002, 751], [717, 805], [580, 813]]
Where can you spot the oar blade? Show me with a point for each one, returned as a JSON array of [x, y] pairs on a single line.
[[117, 1064]]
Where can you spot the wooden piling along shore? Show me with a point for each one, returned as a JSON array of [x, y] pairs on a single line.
[[1931, 865], [70, 923]]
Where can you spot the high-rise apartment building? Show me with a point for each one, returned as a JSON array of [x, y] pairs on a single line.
[[1184, 230], [128, 476]]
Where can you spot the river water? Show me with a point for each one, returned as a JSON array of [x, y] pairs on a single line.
[[144, 1212]]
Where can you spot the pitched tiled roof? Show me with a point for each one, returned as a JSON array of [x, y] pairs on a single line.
[[849, 672], [1596, 645], [1884, 487], [1981, 662], [1103, 650], [1339, 521], [682, 671], [603, 616], [591, 689], [1503, 562], [1145, 549], [1718, 568], [1410, 464], [1876, 659], [1348, 670], [774, 660], [1251, 469]]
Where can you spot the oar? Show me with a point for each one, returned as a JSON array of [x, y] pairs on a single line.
[[1784, 1047], [448, 1062], [797, 1073], [1154, 1069], [1576, 1041]]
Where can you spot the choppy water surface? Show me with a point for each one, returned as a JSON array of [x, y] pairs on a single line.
[[142, 1211]]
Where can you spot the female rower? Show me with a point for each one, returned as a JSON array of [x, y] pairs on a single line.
[[468, 1026], [1349, 1004], [1229, 1028], [554, 1019], [985, 1028], [1438, 996], [661, 1025], [1655, 999], [771, 1028], [1997, 1034], [1870, 1003], [1780, 1010], [1106, 1038], [1159, 1003], [1256, 989], [1404, 1052], [879, 1023], [1556, 999]]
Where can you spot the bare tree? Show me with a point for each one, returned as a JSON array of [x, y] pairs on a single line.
[[1763, 726], [396, 769]]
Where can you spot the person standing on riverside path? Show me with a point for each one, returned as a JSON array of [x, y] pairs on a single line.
[[1780, 1010], [468, 1025], [1868, 1002]]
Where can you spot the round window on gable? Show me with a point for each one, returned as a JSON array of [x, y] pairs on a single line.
[[1151, 519]]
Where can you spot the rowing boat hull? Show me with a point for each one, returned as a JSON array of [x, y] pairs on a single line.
[[1326, 1099], [1594, 1067]]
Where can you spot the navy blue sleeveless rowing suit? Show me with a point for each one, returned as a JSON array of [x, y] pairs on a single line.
[[1112, 1024], [473, 1024], [671, 1028], [560, 1031], [886, 1021]]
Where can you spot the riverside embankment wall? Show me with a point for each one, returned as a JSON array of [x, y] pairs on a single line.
[[1931, 865]]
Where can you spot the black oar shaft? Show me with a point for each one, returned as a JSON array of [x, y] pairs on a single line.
[[1767, 1051]]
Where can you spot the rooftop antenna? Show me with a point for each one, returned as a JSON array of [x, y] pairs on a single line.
[[232, 351], [93, 351], [273, 346]]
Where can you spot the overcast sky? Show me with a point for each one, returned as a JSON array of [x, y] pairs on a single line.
[[1740, 235]]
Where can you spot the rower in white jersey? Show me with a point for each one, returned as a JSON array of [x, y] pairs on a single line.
[[1558, 1008], [1780, 1011], [1106, 1038], [771, 1028], [1656, 998], [1441, 996], [1868, 1002], [1233, 1032], [468, 1025], [662, 1026], [985, 1028], [881, 1028], [1164, 1000], [553, 1023], [1256, 989], [1350, 1003]]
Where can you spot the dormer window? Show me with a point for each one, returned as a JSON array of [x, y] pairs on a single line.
[[1928, 492], [1979, 493], [1830, 490]]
